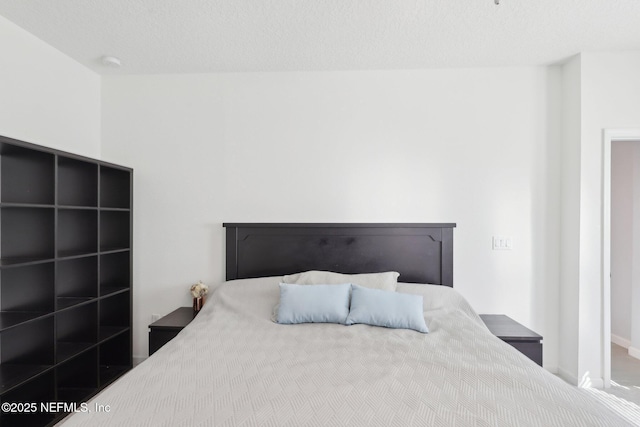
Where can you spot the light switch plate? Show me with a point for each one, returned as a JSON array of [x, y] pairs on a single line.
[[502, 243]]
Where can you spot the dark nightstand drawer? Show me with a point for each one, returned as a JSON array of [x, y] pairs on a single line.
[[533, 350], [165, 329], [159, 338], [516, 335]]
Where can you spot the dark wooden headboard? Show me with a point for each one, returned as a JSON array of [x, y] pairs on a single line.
[[421, 253]]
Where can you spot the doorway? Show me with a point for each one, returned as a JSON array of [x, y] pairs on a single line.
[[628, 139]]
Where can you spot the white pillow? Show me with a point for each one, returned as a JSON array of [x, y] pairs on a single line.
[[386, 281]]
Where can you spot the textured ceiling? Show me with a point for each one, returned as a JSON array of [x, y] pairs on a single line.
[[193, 36]]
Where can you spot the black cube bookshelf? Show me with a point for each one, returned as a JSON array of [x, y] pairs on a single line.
[[65, 277]]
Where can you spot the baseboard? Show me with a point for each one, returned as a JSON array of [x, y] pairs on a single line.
[[138, 360], [622, 342], [567, 377], [593, 383], [585, 382], [634, 352]]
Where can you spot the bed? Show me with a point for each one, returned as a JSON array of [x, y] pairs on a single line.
[[234, 366]]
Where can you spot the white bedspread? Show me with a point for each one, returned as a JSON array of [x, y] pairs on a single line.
[[232, 366]]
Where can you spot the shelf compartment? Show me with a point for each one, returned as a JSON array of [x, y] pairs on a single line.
[[27, 288], [116, 310], [23, 261], [27, 350], [26, 205], [26, 176], [77, 232], [112, 290], [110, 373], [115, 358], [114, 230], [12, 375], [27, 235], [108, 332], [77, 278], [114, 251], [77, 379], [39, 390], [115, 272], [115, 188], [76, 330], [77, 182], [67, 302], [29, 343], [9, 319], [67, 350]]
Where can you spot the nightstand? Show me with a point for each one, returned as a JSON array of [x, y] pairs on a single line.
[[166, 328], [513, 333]]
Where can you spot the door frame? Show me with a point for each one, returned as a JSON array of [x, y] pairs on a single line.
[[609, 136]]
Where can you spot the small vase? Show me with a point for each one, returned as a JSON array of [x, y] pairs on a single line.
[[198, 303]]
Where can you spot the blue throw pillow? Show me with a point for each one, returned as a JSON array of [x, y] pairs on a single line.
[[388, 309], [313, 303]]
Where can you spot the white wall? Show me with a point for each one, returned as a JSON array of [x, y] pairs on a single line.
[[46, 97], [622, 203], [570, 216], [609, 94], [478, 147], [610, 99]]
